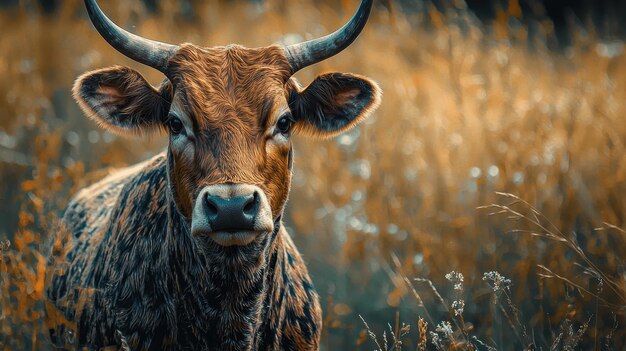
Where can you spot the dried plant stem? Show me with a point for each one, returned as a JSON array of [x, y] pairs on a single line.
[[551, 232]]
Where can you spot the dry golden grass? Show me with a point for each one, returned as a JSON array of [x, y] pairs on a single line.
[[468, 110]]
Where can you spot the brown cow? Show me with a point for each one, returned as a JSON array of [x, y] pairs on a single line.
[[187, 250]]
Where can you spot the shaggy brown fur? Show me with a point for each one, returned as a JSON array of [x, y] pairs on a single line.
[[125, 268]]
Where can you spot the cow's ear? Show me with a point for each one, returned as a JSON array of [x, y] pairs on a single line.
[[121, 100], [332, 103]]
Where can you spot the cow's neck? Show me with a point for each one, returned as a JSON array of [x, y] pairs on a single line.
[[222, 289]]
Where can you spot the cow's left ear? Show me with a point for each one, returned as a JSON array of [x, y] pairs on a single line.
[[333, 103]]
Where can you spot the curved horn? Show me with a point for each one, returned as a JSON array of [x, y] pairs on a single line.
[[149, 52], [309, 52]]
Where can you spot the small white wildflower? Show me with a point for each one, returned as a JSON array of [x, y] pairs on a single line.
[[496, 281], [456, 278], [458, 306], [446, 328], [436, 340]]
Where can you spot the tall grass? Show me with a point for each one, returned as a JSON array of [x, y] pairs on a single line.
[[454, 332], [469, 109]]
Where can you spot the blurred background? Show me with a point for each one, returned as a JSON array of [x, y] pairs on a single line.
[[499, 147]]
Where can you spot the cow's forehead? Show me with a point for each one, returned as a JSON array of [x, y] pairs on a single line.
[[228, 80]]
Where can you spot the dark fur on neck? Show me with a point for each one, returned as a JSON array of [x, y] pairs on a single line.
[[146, 280]]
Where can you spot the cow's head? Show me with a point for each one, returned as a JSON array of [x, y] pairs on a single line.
[[230, 113]]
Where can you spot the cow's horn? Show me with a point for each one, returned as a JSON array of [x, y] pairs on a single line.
[[309, 52], [149, 52]]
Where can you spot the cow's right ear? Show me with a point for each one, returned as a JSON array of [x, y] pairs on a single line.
[[121, 100]]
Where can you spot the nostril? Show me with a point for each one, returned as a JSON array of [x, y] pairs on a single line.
[[250, 206], [211, 207]]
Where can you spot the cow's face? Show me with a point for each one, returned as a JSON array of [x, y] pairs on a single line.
[[230, 113]]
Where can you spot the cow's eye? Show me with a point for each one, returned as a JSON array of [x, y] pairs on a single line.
[[284, 124], [175, 124]]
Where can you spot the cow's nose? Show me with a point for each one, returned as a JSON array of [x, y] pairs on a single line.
[[232, 213]]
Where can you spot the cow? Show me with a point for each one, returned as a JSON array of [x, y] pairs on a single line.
[[187, 250]]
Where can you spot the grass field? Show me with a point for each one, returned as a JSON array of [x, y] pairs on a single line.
[[483, 206]]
